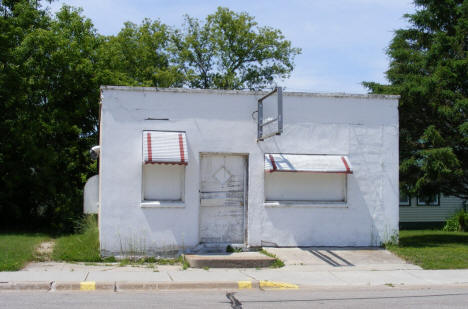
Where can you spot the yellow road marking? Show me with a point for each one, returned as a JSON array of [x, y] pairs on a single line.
[[87, 286], [275, 284], [244, 284]]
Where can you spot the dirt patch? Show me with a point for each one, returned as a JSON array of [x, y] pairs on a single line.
[[44, 251]]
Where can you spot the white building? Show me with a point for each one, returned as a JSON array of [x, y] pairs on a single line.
[[181, 167]]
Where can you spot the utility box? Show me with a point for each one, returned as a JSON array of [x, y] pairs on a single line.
[[91, 195]]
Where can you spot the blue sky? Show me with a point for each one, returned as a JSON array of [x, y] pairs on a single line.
[[343, 41]]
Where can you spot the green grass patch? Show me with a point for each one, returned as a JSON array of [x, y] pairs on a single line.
[[433, 249], [80, 247], [18, 249], [277, 262]]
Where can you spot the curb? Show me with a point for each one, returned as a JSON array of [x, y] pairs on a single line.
[[142, 286], [12, 286]]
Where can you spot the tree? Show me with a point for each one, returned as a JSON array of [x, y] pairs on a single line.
[[429, 69], [138, 56], [230, 51], [49, 117], [51, 68]]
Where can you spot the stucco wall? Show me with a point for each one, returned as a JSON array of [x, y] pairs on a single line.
[[365, 128]]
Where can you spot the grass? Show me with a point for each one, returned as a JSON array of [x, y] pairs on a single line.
[[17, 250], [277, 263], [80, 247], [433, 249], [84, 247]]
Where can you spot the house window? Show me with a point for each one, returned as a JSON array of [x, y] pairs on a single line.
[[164, 161], [306, 179], [433, 200], [405, 199]]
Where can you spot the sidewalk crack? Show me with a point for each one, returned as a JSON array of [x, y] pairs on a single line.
[[250, 276], [170, 277]]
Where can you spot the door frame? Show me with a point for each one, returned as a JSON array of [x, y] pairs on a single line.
[[246, 189]]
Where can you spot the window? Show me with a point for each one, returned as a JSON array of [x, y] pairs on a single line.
[[429, 200], [163, 182], [164, 161], [304, 187], [306, 179], [405, 199]]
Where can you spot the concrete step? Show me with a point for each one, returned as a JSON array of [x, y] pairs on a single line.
[[229, 260]]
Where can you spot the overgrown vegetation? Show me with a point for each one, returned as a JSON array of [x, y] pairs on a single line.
[[433, 249], [16, 250], [457, 223], [82, 246], [277, 262]]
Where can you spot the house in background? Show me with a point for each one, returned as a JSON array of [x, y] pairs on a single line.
[[184, 168], [417, 213]]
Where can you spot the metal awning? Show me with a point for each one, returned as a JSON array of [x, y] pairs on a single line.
[[277, 162], [161, 147]]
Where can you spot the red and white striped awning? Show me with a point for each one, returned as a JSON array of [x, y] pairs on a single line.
[[161, 147], [277, 162]]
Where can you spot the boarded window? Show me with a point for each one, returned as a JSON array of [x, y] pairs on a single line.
[[305, 187], [163, 182]]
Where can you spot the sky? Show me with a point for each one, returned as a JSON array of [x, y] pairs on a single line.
[[343, 42]]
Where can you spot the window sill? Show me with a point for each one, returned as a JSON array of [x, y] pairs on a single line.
[[310, 204], [162, 204]]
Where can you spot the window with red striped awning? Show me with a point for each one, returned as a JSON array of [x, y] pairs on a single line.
[[161, 147], [278, 162]]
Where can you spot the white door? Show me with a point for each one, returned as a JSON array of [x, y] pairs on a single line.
[[222, 198]]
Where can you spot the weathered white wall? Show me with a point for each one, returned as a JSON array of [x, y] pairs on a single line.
[[365, 128]]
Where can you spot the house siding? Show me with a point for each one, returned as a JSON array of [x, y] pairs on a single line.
[[414, 213]]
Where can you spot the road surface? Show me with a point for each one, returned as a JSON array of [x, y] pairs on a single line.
[[382, 297]]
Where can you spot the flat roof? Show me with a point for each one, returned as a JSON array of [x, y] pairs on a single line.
[[257, 93]]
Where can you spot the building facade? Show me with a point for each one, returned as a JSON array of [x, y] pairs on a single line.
[[179, 168]]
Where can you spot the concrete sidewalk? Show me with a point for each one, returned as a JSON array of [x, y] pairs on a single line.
[[304, 268], [61, 276]]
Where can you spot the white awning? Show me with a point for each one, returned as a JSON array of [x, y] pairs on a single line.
[[164, 147], [277, 162]]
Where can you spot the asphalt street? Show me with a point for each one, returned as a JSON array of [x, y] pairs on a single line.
[[383, 297]]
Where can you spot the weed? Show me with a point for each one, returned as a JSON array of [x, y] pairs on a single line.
[[181, 259], [277, 263], [81, 247]]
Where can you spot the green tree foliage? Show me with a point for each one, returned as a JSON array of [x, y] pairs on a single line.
[[230, 51], [51, 68], [138, 56], [429, 69], [49, 95]]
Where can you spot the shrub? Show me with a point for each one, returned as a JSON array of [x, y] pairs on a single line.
[[457, 222]]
